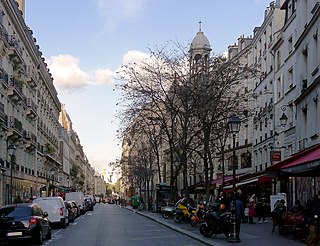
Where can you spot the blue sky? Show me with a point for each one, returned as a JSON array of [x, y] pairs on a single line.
[[85, 41]]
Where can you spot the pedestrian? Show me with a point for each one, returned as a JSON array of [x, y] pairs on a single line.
[[252, 210], [297, 208], [239, 211], [17, 200], [221, 199], [261, 211], [314, 222]]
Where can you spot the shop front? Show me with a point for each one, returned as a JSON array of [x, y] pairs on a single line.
[[299, 175]]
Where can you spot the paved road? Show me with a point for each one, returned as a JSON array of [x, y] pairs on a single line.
[[114, 226], [250, 235]]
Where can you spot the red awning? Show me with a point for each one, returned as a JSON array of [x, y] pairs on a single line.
[[228, 178], [303, 163], [264, 179], [218, 181]]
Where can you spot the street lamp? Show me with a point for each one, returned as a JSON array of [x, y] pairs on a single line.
[[11, 152], [283, 119], [234, 127]]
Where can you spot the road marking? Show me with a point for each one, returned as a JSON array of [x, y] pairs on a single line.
[[54, 234], [143, 238]]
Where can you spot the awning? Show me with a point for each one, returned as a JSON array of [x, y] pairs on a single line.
[[248, 181], [264, 179], [218, 181], [304, 163], [228, 178], [61, 188]]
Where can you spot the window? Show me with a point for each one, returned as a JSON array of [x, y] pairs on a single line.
[[246, 160], [230, 163], [278, 59], [290, 45], [290, 77]]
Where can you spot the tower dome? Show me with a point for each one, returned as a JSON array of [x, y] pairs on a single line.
[[200, 45], [200, 41], [200, 48]]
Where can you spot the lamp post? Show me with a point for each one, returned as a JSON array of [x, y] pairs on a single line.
[[11, 150], [234, 127], [284, 118]]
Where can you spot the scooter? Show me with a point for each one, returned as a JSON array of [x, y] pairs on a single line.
[[167, 210], [183, 211], [197, 217]]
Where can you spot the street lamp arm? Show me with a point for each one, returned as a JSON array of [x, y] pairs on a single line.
[[284, 107]]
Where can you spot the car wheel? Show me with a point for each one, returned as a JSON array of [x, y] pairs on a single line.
[[64, 224], [38, 238], [49, 234]]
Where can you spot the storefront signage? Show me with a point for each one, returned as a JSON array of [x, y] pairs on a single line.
[[275, 155]]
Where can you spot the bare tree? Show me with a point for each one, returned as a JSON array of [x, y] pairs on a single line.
[[184, 102]]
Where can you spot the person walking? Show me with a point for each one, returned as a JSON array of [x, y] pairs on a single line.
[[261, 211], [239, 211], [252, 210]]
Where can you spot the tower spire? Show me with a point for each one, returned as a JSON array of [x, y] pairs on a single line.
[[200, 22]]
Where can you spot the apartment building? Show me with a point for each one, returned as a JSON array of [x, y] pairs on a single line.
[[285, 95], [30, 110], [45, 150]]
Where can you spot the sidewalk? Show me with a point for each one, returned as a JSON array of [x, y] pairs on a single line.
[[250, 234]]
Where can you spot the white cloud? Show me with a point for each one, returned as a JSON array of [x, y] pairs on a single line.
[[104, 76], [68, 76], [115, 12], [134, 56], [67, 73]]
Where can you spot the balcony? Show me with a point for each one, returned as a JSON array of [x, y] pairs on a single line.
[[15, 50], [4, 37], [4, 78], [2, 113], [15, 89], [31, 109], [32, 76], [31, 138], [14, 128]]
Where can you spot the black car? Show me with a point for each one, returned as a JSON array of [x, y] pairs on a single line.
[[24, 221], [72, 210]]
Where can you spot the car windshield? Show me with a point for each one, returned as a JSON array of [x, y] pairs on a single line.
[[15, 212]]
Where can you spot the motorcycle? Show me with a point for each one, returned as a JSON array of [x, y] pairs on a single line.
[[183, 211], [216, 221], [167, 210]]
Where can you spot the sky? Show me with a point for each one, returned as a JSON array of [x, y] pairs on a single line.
[[85, 41]]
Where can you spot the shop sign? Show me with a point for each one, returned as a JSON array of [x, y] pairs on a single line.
[[275, 155]]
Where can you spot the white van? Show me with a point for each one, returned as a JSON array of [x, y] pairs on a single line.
[[56, 209], [78, 197]]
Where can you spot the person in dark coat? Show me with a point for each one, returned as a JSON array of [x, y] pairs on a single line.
[[239, 211]]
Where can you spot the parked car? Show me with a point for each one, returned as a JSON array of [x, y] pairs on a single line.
[[88, 204], [75, 205], [92, 197], [54, 206], [24, 221], [78, 197], [72, 211]]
